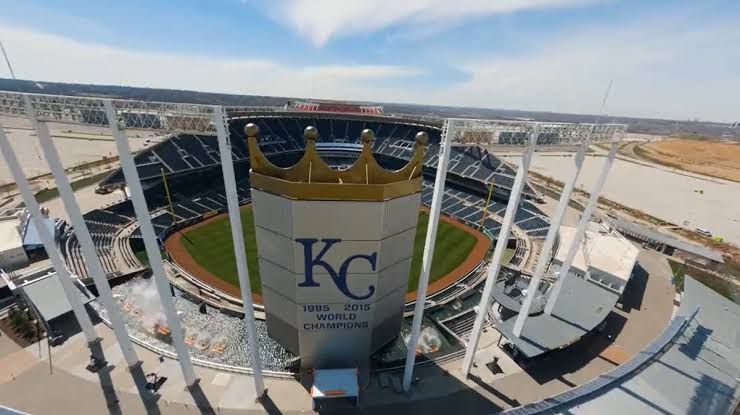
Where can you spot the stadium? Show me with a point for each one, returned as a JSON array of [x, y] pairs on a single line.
[[190, 166], [494, 282]]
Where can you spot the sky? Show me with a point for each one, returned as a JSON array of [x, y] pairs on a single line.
[[675, 59]]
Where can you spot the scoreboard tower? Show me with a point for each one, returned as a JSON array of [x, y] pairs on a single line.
[[335, 250]]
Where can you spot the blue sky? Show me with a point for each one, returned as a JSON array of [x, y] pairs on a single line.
[[672, 59]]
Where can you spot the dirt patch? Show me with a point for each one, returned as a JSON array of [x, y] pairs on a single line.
[[712, 158], [180, 255]]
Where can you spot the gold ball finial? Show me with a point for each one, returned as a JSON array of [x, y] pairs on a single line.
[[311, 133], [251, 130], [367, 136], [422, 137]]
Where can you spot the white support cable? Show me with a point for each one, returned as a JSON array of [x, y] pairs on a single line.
[[83, 237], [581, 229], [150, 243], [503, 237], [421, 291], [7, 60], [47, 239], [552, 233], [232, 199]]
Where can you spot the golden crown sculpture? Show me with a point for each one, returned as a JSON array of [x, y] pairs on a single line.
[[312, 179]]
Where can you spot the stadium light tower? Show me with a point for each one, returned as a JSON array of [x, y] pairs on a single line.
[[581, 229], [495, 266], [448, 134], [83, 236], [232, 199], [65, 278], [552, 233], [150, 244]]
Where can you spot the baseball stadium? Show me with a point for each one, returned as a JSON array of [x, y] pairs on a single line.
[[483, 282], [184, 191]]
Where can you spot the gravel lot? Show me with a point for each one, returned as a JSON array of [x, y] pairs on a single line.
[[676, 196], [90, 144]]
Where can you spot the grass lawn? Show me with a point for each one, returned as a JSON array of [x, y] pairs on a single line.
[[210, 245], [450, 249], [724, 288], [46, 195]]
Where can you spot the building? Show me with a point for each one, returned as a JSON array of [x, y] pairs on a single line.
[[599, 273], [604, 257], [20, 242], [41, 290], [12, 254]]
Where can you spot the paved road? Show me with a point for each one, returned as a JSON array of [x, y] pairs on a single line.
[[645, 312]]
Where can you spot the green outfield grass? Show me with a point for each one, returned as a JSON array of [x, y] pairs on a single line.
[[211, 246]]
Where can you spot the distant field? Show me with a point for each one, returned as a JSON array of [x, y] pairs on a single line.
[[211, 247], [712, 158], [725, 288]]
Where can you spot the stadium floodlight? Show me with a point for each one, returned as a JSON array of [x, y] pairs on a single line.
[[581, 229], [47, 239], [232, 199], [83, 236], [510, 132], [495, 266], [150, 244], [552, 233], [448, 132]]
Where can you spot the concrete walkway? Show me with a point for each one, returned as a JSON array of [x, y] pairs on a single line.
[[27, 384]]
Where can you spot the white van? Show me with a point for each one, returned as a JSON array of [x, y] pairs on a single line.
[[703, 232]]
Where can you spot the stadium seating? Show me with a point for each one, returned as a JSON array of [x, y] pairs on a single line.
[[190, 163], [185, 152]]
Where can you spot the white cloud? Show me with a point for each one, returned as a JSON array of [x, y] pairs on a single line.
[[674, 67], [666, 67], [41, 56], [320, 20]]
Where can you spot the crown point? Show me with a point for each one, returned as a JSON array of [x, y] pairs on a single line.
[[311, 133], [367, 135], [251, 130], [422, 137]]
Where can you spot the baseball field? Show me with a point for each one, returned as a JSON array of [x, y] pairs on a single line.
[[207, 252]]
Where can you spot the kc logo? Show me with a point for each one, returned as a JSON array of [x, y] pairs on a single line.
[[339, 278]]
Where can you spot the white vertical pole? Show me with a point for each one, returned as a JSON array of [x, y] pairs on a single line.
[[65, 278], [426, 262], [232, 199], [503, 237], [552, 233], [150, 243], [83, 236], [581, 229]]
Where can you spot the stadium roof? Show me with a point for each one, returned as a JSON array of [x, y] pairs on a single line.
[[581, 307], [47, 296], [10, 238], [31, 236], [608, 252], [692, 368], [649, 233]]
